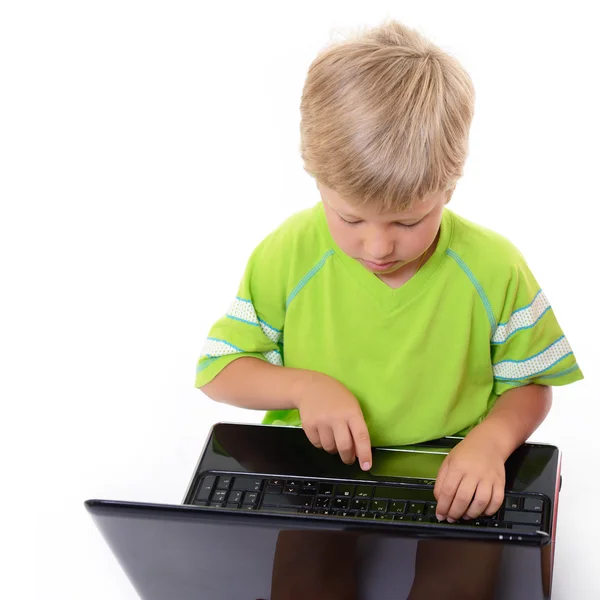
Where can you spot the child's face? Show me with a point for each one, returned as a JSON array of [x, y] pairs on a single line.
[[383, 242]]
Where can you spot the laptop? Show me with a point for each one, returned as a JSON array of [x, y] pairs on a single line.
[[266, 515]]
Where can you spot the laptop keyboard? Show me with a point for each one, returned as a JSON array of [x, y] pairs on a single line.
[[349, 500]]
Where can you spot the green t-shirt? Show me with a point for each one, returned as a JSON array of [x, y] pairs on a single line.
[[425, 360]]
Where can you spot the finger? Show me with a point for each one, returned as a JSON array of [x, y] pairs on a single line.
[[344, 442], [362, 442], [313, 436], [462, 499], [447, 491], [327, 439], [497, 499], [480, 502], [439, 480]]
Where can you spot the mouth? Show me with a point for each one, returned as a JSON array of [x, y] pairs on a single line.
[[373, 266]]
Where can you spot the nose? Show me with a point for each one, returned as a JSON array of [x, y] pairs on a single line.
[[379, 246]]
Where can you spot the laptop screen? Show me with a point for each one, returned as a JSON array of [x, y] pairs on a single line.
[[187, 554]]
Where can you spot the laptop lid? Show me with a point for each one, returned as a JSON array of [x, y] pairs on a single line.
[[190, 553]]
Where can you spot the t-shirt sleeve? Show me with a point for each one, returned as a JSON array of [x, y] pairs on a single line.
[[528, 345], [253, 325]]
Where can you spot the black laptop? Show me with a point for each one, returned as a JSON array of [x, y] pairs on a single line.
[[268, 516]]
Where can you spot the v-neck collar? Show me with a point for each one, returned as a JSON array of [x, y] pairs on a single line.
[[388, 296]]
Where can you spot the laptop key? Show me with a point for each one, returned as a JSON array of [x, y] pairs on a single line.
[[223, 483], [363, 491], [219, 496], [206, 488], [416, 508], [342, 503], [533, 504], [325, 489], [235, 497], [398, 517], [385, 517], [430, 509], [512, 503], [359, 504], [322, 502], [246, 484], [524, 518], [250, 498], [397, 507], [274, 489], [379, 505], [287, 500], [344, 490], [424, 519]]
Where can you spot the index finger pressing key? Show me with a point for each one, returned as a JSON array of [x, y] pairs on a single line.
[[362, 443]]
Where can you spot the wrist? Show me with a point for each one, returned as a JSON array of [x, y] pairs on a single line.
[[300, 384], [496, 436]]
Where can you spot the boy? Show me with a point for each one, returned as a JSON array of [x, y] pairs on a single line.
[[402, 321]]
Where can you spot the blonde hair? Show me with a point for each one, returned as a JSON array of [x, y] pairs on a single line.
[[385, 118]]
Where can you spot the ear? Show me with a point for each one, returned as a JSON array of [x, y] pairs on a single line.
[[449, 194]]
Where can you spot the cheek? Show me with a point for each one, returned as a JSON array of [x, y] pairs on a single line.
[[420, 241], [428, 236], [344, 238]]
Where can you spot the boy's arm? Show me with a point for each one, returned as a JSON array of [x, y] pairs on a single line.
[[528, 352], [472, 478], [253, 383], [514, 417], [331, 416]]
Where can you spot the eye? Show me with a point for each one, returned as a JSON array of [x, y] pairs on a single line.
[[350, 223], [408, 226]]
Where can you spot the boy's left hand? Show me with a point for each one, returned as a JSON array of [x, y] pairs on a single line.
[[470, 481]]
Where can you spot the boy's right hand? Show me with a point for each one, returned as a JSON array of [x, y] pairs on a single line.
[[332, 419]]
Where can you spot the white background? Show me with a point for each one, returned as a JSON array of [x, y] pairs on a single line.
[[147, 147]]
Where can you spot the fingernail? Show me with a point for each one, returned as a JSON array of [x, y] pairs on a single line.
[[439, 517], [366, 466], [450, 520]]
